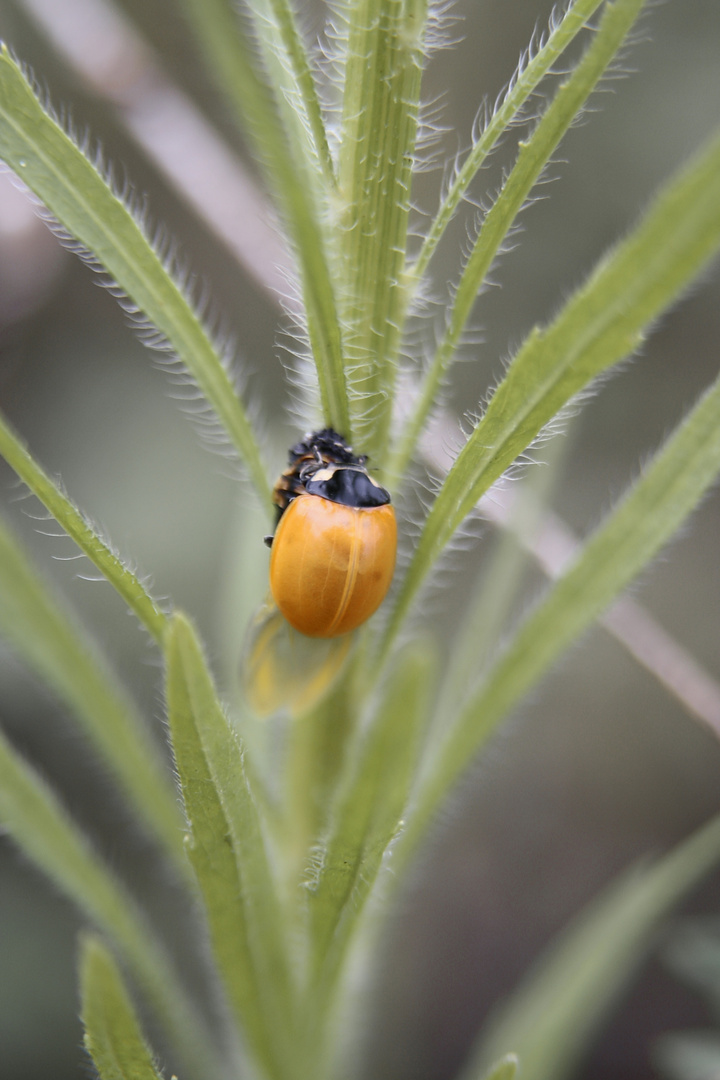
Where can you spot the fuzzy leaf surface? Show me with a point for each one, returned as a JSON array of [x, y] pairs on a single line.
[[529, 76], [533, 156], [383, 68], [602, 324], [227, 851], [283, 120], [301, 80], [33, 817], [50, 494], [647, 517], [46, 159]]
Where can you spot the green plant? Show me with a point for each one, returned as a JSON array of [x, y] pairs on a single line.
[[292, 879], [692, 954]]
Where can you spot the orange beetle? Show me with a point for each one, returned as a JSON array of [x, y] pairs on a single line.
[[333, 553]]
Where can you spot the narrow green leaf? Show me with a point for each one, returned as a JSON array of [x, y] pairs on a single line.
[[63, 656], [113, 1035], [299, 80], [551, 1018], [601, 324], [505, 1069], [366, 819], [37, 822], [491, 598], [647, 517], [561, 35], [533, 156], [297, 170], [379, 127], [35, 146], [227, 850], [50, 494], [318, 744]]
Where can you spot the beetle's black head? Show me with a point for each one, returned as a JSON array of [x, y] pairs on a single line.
[[349, 485], [323, 464]]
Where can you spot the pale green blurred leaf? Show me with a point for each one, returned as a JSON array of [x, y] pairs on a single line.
[[33, 817], [66, 659], [646, 518], [549, 1020], [67, 515], [369, 807], [506, 1069], [113, 1035]]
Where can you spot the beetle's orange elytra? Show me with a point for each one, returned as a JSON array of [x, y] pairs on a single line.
[[331, 564]]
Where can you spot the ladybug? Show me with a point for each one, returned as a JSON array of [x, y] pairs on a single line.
[[333, 552]]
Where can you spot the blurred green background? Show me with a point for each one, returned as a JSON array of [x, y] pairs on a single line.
[[599, 767]]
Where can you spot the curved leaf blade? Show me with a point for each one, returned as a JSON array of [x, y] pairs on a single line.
[[364, 820], [646, 518], [67, 515], [550, 1019], [113, 1035], [383, 68], [302, 82], [228, 853], [35, 146], [67, 661], [603, 323], [505, 1069], [32, 815], [297, 171], [533, 156], [368, 811], [561, 35]]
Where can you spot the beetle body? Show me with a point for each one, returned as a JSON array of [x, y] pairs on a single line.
[[333, 553], [331, 565]]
